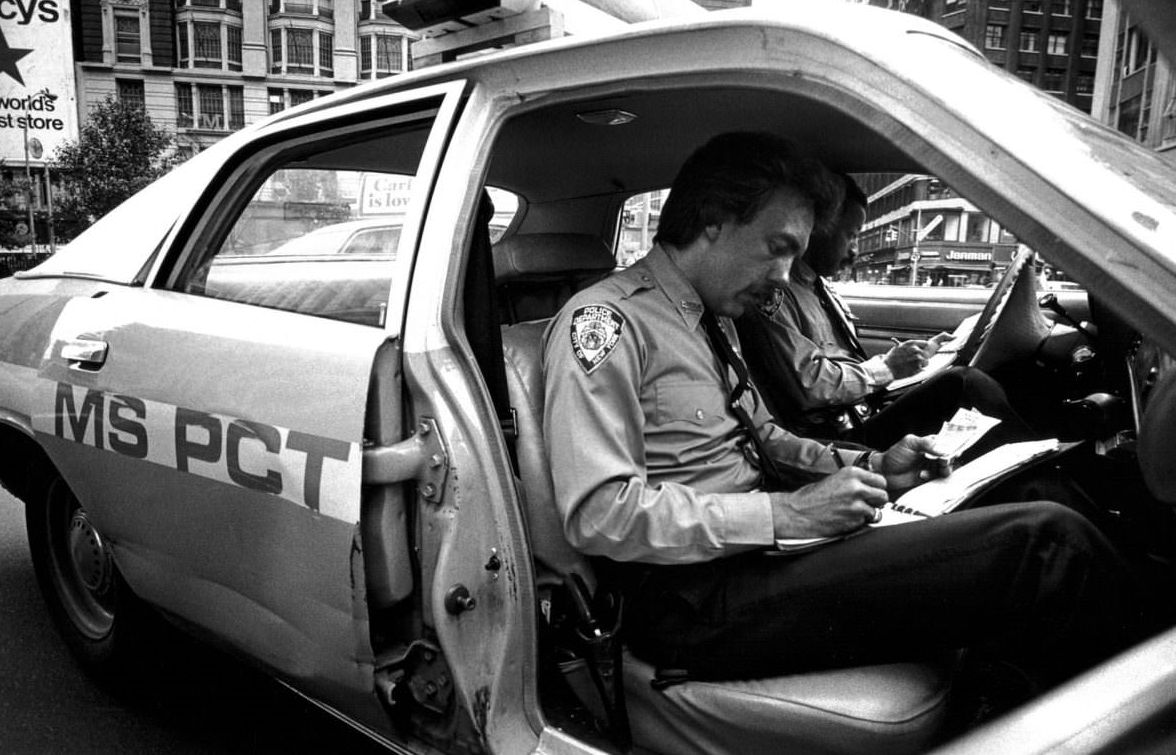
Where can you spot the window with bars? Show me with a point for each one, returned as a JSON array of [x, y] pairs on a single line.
[[326, 56], [211, 101], [1057, 43], [128, 48], [277, 102], [184, 110], [275, 50], [1084, 84], [299, 51], [994, 36], [1029, 41], [233, 45], [236, 108], [206, 41], [130, 91]]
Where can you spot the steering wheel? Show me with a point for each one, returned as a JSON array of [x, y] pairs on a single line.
[[1011, 325]]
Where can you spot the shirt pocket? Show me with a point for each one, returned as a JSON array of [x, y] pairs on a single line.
[[697, 403]]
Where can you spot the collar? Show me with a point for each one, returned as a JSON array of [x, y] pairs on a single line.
[[668, 277], [803, 274]]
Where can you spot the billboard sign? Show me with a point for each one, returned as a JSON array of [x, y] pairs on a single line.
[[38, 101]]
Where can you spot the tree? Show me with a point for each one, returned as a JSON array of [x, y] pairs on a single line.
[[118, 151]]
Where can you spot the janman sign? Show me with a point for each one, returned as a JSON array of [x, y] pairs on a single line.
[[37, 96]]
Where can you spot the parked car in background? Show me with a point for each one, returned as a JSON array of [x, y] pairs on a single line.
[[223, 402]]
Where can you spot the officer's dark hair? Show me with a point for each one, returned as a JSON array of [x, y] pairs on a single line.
[[853, 192], [733, 176]]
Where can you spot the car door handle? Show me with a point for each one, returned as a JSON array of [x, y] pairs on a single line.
[[84, 353]]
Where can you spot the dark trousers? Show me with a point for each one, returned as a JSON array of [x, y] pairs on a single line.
[[922, 409], [1033, 583]]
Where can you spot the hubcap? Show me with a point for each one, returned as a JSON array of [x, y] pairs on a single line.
[[90, 557], [82, 566]]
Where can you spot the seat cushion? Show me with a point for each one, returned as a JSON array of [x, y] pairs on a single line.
[[892, 708]]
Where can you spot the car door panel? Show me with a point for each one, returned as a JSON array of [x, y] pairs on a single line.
[[229, 500]]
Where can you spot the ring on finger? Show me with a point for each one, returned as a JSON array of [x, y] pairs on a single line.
[[877, 516]]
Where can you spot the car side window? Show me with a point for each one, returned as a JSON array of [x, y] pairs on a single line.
[[319, 234]]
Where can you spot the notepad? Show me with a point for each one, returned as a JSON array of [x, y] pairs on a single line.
[[937, 497]]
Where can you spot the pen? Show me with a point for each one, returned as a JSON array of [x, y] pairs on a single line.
[[836, 456]]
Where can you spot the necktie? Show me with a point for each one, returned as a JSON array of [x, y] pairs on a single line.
[[839, 316], [777, 475]]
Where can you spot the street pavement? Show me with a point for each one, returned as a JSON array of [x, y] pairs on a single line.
[[192, 701]]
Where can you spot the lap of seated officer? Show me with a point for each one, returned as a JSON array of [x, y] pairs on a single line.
[[805, 357], [649, 423]]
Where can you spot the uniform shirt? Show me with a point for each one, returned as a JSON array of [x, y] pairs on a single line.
[[646, 458], [805, 354]]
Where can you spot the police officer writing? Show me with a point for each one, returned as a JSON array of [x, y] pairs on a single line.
[[668, 468], [804, 354]]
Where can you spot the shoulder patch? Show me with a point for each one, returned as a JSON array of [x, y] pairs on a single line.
[[595, 332]]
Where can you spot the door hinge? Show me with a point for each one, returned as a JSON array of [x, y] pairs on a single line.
[[421, 457]]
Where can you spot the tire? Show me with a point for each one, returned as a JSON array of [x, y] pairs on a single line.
[[90, 604]]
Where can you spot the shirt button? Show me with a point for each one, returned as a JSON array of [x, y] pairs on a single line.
[[700, 414]]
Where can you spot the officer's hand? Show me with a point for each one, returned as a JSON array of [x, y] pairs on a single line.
[[841, 502], [936, 342], [907, 358], [905, 466]]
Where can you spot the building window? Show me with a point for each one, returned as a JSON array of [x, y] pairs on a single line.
[[994, 36], [1084, 84], [365, 56], [1090, 45], [126, 37], [1136, 51], [233, 43], [1169, 121], [389, 58], [300, 51], [184, 111], [212, 107], [130, 91], [1057, 43], [365, 10], [182, 45], [276, 103], [300, 96], [1128, 121], [1031, 6], [275, 50], [1061, 7], [1029, 39], [326, 8], [236, 108], [1094, 9], [326, 54], [206, 40], [1026, 72], [951, 6], [1053, 80]]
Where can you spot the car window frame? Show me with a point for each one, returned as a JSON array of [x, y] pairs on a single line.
[[199, 232]]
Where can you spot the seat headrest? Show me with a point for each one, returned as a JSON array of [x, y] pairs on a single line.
[[537, 255]]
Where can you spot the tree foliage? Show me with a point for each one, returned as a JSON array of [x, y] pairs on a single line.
[[119, 150]]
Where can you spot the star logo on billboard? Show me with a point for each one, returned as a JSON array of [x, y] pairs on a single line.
[[8, 58]]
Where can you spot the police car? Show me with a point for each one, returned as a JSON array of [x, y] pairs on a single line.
[[333, 468]]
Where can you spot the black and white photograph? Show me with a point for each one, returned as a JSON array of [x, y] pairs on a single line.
[[650, 377]]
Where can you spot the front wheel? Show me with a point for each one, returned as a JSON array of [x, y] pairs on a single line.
[[86, 596]]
